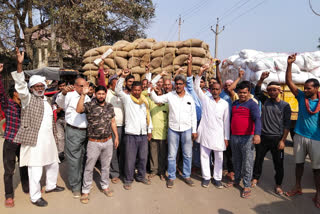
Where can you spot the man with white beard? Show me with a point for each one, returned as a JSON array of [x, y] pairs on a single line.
[[37, 134]]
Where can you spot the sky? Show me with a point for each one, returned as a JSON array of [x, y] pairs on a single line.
[[266, 25]]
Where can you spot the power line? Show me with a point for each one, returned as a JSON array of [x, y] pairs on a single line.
[[247, 11], [195, 10], [171, 29], [183, 13], [315, 12], [234, 9]]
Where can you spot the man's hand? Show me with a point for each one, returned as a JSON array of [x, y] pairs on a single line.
[[180, 70], [203, 69], [59, 109], [156, 89], [85, 89], [101, 64], [226, 142], [256, 139], [281, 145], [1, 67], [164, 73], [20, 56], [119, 72], [189, 61], [194, 136], [147, 68], [264, 75], [67, 89], [292, 58], [241, 73], [217, 62], [106, 72], [125, 72], [149, 136], [116, 142]]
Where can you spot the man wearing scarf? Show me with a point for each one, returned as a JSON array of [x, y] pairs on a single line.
[[138, 127], [37, 134], [307, 131]]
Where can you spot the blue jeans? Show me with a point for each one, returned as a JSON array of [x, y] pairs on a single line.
[[242, 158], [173, 144]]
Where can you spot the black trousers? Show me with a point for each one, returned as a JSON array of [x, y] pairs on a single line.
[[269, 143], [227, 159], [10, 152]]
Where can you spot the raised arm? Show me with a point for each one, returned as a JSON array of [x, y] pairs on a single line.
[[235, 83], [20, 84], [155, 80], [119, 90], [80, 106], [289, 82], [159, 99], [218, 74], [257, 91], [197, 88]]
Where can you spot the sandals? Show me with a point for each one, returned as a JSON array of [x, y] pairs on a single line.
[[108, 192], [293, 193], [9, 203], [246, 194], [278, 191], [316, 203], [84, 198], [254, 183]]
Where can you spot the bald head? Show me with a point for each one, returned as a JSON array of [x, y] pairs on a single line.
[[79, 84]]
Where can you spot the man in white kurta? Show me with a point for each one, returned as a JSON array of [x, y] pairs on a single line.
[[44, 153], [213, 131]]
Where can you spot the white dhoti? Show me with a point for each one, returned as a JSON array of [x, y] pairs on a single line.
[[205, 163], [44, 154]]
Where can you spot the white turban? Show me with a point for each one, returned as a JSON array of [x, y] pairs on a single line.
[[37, 79]]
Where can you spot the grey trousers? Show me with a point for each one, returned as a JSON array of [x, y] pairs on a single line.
[[74, 150], [243, 158], [102, 151], [158, 156], [117, 161], [61, 125]]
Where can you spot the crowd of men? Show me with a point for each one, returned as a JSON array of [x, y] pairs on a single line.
[[176, 125]]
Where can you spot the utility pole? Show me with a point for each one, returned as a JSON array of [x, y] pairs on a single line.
[[216, 32], [180, 23]]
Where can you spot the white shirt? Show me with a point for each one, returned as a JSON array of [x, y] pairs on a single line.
[[214, 126], [182, 110], [45, 151], [69, 104], [117, 106], [135, 114]]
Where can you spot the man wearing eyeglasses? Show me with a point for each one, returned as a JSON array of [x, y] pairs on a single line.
[[76, 133], [182, 127]]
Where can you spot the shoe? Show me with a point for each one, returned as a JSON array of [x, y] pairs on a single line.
[[108, 192], [9, 203], [218, 184], [84, 198], [76, 194], [145, 181], [170, 183], [115, 180], [127, 186], [205, 183], [189, 182], [40, 203], [57, 189]]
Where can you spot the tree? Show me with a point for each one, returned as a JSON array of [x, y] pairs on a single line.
[[77, 24]]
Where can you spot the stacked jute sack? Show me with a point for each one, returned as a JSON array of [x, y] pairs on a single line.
[[306, 66], [168, 56]]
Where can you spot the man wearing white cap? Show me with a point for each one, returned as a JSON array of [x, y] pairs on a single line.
[[37, 134]]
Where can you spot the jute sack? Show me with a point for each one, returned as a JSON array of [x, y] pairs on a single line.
[[123, 54], [136, 77], [199, 61], [199, 52], [92, 79], [148, 40], [139, 53], [92, 73], [109, 62], [103, 49], [90, 59], [192, 43], [133, 62], [119, 45], [169, 69], [87, 67], [205, 46], [145, 60], [156, 62], [145, 45], [91, 52], [121, 62], [167, 60], [158, 45], [179, 60], [177, 44], [138, 70], [163, 51], [129, 47]]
